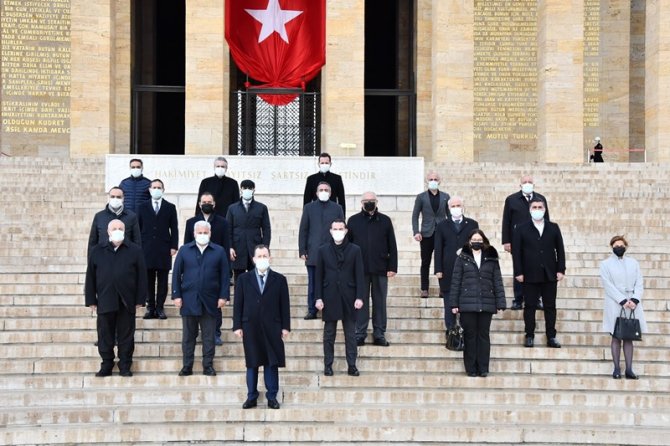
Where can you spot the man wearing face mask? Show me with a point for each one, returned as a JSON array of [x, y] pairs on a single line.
[[160, 239], [325, 175], [115, 210], [262, 318], [223, 188], [373, 232], [135, 187], [432, 206], [515, 213], [314, 232], [339, 290], [249, 226], [450, 236], [219, 235], [200, 286], [116, 285], [539, 264]]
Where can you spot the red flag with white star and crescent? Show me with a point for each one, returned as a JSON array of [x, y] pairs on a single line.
[[281, 43]]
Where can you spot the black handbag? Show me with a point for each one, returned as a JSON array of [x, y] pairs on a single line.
[[455, 341], [627, 328]]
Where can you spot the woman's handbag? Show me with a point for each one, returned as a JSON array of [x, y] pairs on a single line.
[[455, 341], [627, 328]]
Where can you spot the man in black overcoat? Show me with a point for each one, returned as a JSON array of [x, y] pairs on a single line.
[[116, 285], [261, 317], [224, 189], [539, 264], [325, 175], [339, 291]]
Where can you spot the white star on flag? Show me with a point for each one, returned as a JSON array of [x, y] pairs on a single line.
[[274, 19]]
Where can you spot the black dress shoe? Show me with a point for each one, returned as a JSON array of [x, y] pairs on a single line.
[[631, 375], [382, 342], [360, 342], [103, 372], [517, 306], [209, 371], [328, 370], [616, 374], [273, 404], [310, 316], [186, 371], [483, 374], [150, 314], [160, 314], [353, 371], [126, 373], [553, 343], [530, 342], [248, 404], [472, 374]]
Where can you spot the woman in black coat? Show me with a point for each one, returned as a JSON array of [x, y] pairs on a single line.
[[477, 293]]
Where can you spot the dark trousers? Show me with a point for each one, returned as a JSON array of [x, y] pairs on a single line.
[[427, 247], [329, 332], [477, 351], [377, 289], [445, 287], [158, 288], [119, 326], [311, 302], [190, 325], [271, 377], [518, 290], [238, 271], [532, 293]]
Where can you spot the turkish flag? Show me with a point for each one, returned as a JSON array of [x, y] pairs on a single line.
[[281, 43]]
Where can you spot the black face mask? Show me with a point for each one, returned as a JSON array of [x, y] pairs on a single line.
[[207, 208], [369, 206], [619, 250], [476, 246]]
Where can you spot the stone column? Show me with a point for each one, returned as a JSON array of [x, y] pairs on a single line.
[[342, 87], [122, 77], [207, 74], [452, 82], [92, 52], [560, 80], [657, 96]]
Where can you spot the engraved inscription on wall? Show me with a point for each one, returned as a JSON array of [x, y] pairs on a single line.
[[591, 63], [35, 71], [505, 71]]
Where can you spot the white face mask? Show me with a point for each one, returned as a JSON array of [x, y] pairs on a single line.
[[115, 203], [324, 168], [117, 236], [262, 264], [537, 214], [456, 212], [202, 239], [527, 188], [156, 194], [247, 194], [338, 236], [135, 172], [220, 171], [323, 196], [432, 185]]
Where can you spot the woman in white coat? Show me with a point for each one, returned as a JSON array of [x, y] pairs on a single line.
[[622, 280]]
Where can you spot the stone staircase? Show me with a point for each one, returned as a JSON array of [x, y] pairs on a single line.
[[414, 392]]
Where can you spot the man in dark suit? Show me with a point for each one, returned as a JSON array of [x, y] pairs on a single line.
[[325, 175], [113, 211], [249, 226], [339, 290], [224, 189], [516, 213], [200, 285], [313, 232], [539, 264], [116, 285], [262, 318], [373, 232], [219, 235], [432, 206], [450, 236], [160, 240]]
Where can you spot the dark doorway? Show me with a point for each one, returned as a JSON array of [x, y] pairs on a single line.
[[158, 76], [390, 91]]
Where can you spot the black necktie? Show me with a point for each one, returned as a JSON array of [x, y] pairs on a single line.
[[262, 276]]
